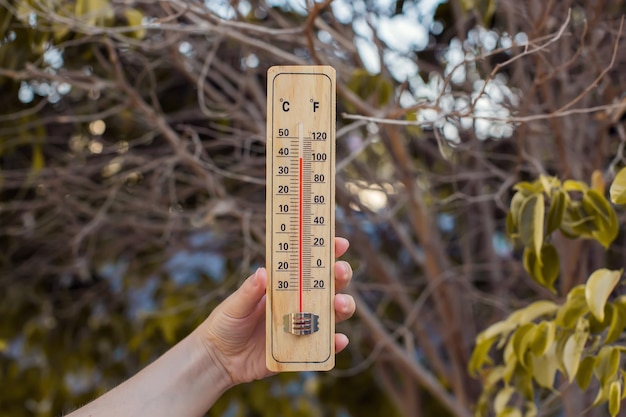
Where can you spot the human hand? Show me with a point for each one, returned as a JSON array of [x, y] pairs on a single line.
[[234, 333]]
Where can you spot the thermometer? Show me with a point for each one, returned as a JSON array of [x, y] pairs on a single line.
[[300, 218]]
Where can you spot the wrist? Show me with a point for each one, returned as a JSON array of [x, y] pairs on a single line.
[[209, 362]]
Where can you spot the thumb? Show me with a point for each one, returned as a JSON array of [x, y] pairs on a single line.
[[244, 301]]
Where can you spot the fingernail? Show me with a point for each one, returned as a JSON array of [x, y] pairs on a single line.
[[343, 300], [255, 281]]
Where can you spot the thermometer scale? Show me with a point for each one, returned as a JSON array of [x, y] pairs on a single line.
[[300, 218]]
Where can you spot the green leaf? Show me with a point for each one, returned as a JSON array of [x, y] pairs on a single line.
[[585, 372], [531, 220], [558, 204], [617, 192], [606, 364], [598, 288], [573, 351], [615, 393]]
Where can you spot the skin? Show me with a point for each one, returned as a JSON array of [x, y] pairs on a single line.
[[192, 375]]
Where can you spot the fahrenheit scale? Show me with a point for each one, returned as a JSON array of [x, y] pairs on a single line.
[[300, 218]]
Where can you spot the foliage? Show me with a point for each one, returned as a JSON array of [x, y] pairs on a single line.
[[582, 339], [590, 216]]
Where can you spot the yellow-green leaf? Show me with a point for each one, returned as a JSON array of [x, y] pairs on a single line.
[[548, 184], [523, 382], [606, 364], [603, 395], [571, 185], [530, 265], [597, 181], [548, 266], [510, 363], [617, 191], [618, 322], [572, 352], [414, 129], [135, 19], [543, 337], [615, 394], [598, 288], [94, 12], [510, 225], [510, 412], [543, 269], [500, 328], [594, 201], [575, 306], [556, 211], [545, 366], [521, 338], [531, 409], [526, 188], [533, 311], [606, 229], [605, 224], [502, 399], [596, 326], [585, 372], [480, 356], [530, 224]]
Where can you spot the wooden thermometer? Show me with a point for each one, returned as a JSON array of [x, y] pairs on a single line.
[[300, 218]]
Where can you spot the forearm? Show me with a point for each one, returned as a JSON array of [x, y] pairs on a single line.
[[185, 382]]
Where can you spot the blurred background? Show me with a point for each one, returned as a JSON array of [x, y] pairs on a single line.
[[132, 183]]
